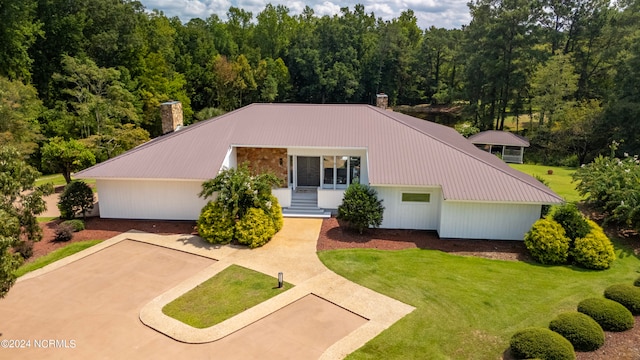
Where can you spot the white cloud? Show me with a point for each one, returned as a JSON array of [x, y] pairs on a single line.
[[447, 14]]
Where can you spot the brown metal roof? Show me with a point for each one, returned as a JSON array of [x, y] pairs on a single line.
[[496, 137], [402, 150]]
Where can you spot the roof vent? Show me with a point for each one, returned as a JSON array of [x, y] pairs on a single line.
[[171, 113]]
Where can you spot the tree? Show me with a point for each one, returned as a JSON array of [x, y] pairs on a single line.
[[360, 207], [19, 111], [20, 202], [66, 157], [552, 85], [18, 31]]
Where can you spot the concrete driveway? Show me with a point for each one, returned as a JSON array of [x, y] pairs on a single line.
[[106, 303]]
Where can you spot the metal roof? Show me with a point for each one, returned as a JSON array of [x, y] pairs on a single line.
[[496, 137], [402, 150]]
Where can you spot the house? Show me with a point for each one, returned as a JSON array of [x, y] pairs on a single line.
[[509, 145], [428, 175]]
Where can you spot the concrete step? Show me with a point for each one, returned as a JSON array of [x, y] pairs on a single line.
[[305, 212]]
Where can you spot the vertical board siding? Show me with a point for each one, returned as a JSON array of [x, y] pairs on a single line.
[[486, 220], [402, 215], [144, 199]]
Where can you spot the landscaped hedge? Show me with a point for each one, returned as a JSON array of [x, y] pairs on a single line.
[[571, 220], [594, 250], [547, 243], [275, 212], [255, 228], [637, 282], [627, 295], [541, 343], [611, 315], [582, 331], [215, 225], [75, 224]]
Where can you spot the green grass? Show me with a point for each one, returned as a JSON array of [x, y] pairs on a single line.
[[228, 293], [45, 219], [467, 307], [58, 180], [560, 181], [55, 256]]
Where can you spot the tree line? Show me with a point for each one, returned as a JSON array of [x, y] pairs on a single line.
[[97, 70]]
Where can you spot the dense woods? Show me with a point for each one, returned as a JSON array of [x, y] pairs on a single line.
[[96, 70]]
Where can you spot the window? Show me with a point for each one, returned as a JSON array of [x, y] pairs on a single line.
[[339, 171], [416, 197]]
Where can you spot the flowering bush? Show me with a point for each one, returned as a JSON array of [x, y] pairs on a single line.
[[613, 186]]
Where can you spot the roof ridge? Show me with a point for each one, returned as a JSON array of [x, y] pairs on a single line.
[[543, 187]]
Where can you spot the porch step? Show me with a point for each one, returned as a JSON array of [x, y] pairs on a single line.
[[305, 212], [304, 203]]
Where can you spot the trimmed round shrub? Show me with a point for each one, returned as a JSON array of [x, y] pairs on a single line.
[[215, 224], [255, 228], [77, 198], [541, 343], [275, 212], [570, 218], [76, 224], [64, 232], [637, 282], [360, 207], [594, 251], [582, 331], [547, 243], [612, 316], [627, 295]]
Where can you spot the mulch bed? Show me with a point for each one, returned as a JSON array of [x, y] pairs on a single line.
[[623, 346]]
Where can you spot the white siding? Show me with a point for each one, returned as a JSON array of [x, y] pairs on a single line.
[[330, 199], [409, 215], [493, 221], [145, 199], [283, 195]]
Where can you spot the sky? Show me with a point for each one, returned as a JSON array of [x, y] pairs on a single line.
[[439, 13]]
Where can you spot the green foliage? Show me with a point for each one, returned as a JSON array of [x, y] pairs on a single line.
[[77, 198], [24, 248], [541, 343], [360, 207], [118, 140], [274, 210], [612, 185], [547, 243], [66, 157], [571, 219], [466, 129], [75, 224], [594, 250], [19, 111], [9, 262], [215, 224], [611, 315], [64, 232], [582, 331], [627, 295], [637, 282], [255, 229]]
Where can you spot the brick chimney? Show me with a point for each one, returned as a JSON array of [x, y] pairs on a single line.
[[171, 114], [382, 101]]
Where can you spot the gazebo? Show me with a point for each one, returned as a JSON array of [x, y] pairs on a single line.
[[509, 145]]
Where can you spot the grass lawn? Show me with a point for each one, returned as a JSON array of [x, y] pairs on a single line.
[[228, 293], [58, 180], [560, 181], [466, 307], [55, 256], [46, 219]]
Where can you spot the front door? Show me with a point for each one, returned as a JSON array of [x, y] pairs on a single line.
[[308, 171]]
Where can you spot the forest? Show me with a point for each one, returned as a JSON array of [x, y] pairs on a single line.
[[89, 75]]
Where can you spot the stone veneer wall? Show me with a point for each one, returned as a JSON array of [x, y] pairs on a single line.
[[265, 159], [171, 114]]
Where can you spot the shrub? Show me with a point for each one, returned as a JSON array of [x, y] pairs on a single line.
[[637, 282], [541, 343], [64, 232], [627, 295], [274, 210], [609, 314], [360, 207], [215, 224], [76, 224], [77, 198], [574, 224], [255, 228], [547, 243], [582, 331], [594, 251], [24, 248]]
